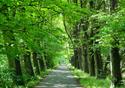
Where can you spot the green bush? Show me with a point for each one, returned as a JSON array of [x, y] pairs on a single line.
[[90, 82], [5, 73]]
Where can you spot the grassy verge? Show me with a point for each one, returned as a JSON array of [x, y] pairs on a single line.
[[90, 82], [35, 80]]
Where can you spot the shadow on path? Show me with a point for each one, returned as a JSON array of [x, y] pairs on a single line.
[[59, 78]]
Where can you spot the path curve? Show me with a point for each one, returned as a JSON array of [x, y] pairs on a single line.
[[59, 78]]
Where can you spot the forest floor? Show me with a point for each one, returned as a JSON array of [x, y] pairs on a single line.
[[59, 78]]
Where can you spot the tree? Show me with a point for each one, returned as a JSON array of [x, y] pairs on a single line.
[[115, 57]]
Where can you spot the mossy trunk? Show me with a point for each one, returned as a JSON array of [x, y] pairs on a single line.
[[19, 78], [12, 55], [42, 63], [28, 64], [77, 65], [35, 62], [115, 57], [115, 67], [86, 63], [80, 58], [98, 64], [91, 65]]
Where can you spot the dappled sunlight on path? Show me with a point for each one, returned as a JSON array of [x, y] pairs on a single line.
[[59, 78]]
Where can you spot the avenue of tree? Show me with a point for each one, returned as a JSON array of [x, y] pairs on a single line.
[[35, 34]]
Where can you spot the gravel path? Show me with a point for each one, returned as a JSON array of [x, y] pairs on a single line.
[[59, 78]]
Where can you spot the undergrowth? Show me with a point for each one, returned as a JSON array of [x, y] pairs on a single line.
[[90, 82]]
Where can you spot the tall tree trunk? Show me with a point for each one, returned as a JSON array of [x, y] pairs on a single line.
[[73, 61], [80, 58], [98, 64], [42, 63], [35, 62], [11, 48], [105, 69], [91, 64], [19, 77], [86, 64], [28, 64], [113, 5], [115, 57], [91, 54], [76, 58], [12, 53], [115, 67]]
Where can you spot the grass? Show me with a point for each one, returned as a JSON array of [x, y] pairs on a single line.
[[35, 80], [90, 82], [33, 83]]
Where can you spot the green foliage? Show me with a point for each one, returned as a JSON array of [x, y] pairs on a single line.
[[35, 81], [5, 73], [34, 26], [90, 82], [42, 26]]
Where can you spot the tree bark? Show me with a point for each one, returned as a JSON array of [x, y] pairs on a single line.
[[12, 54], [76, 58], [35, 62], [28, 64], [86, 64], [91, 64], [113, 5], [98, 64], [115, 57], [80, 58], [115, 67], [42, 63], [19, 78]]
